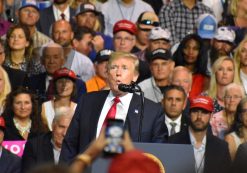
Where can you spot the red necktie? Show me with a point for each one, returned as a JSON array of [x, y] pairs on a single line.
[[112, 111], [63, 16], [50, 90]]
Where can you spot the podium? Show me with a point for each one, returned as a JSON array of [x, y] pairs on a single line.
[[175, 158]]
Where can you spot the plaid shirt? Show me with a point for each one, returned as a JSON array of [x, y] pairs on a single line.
[[181, 20]]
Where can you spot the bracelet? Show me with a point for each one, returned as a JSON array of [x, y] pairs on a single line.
[[85, 158]]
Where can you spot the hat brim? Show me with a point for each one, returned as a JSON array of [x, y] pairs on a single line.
[[160, 57], [206, 36], [68, 77], [154, 39], [131, 32], [202, 107], [85, 11], [29, 5]]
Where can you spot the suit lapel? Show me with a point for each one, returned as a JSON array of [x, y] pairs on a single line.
[[97, 108], [51, 15], [209, 153], [49, 148], [133, 116]]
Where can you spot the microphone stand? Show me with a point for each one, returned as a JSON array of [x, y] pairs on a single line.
[[141, 115]]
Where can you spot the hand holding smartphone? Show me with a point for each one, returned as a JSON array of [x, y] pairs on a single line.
[[114, 135]]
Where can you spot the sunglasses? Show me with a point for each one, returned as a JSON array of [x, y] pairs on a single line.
[[149, 22]]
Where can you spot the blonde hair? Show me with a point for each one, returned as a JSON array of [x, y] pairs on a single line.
[[6, 88], [234, 7], [213, 84], [237, 55], [117, 55]]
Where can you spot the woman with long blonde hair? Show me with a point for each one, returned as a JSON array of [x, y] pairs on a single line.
[[240, 58], [5, 87], [224, 72]]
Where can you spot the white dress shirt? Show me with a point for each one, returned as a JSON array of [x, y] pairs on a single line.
[[177, 121], [122, 109], [199, 153], [57, 13], [47, 81]]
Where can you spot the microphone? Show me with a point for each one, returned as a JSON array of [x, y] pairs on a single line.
[[132, 88]]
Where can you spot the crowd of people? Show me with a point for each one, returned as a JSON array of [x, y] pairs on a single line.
[[62, 62]]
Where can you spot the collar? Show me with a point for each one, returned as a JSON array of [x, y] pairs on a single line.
[[54, 146], [123, 99], [177, 121], [193, 140], [153, 82], [124, 4]]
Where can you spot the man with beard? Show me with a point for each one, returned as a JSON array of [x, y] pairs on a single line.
[[211, 154], [222, 44], [63, 35], [59, 10]]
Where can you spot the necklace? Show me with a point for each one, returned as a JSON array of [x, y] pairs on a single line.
[[22, 129], [122, 14]]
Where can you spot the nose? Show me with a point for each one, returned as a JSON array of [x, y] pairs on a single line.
[[173, 102], [22, 106], [118, 72]]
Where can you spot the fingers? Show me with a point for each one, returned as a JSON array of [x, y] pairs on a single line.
[[127, 142]]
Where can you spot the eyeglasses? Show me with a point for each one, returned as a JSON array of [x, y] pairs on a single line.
[[235, 97], [149, 22]]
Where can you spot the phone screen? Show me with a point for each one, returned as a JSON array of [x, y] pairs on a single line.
[[114, 134]]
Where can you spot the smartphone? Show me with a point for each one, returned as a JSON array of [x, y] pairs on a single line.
[[114, 134]]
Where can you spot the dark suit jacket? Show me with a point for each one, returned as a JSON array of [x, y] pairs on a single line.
[[217, 156], [184, 123], [37, 151], [47, 19], [11, 133], [240, 162], [83, 127], [9, 163], [36, 83]]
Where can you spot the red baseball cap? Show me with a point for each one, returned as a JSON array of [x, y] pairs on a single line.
[[125, 25], [203, 102], [2, 123], [64, 73]]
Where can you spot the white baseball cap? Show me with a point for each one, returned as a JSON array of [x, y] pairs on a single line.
[[157, 33], [225, 34]]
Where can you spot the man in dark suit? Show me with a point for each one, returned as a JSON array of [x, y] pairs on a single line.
[[9, 163], [239, 164], [60, 9], [46, 148], [94, 108], [52, 59], [211, 154], [174, 102]]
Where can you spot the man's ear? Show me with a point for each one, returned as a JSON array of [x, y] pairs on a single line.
[[172, 65], [136, 75], [75, 43], [185, 103]]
